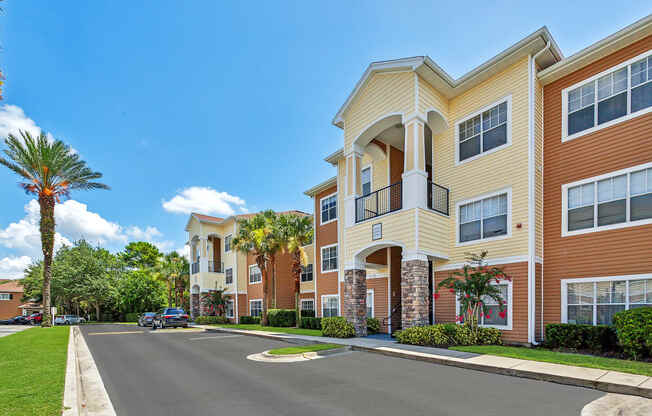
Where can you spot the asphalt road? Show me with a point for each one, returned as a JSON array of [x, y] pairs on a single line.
[[201, 373]]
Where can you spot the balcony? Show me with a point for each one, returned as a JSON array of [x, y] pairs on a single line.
[[380, 202], [215, 267], [438, 198]]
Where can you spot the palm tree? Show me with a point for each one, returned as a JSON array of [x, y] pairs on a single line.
[[259, 235], [51, 170], [296, 232], [169, 269]]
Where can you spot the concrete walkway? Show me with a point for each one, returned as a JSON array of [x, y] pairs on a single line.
[[609, 381], [12, 329]]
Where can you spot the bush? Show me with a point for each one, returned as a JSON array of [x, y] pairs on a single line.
[[205, 320], [250, 320], [132, 317], [282, 317], [307, 313], [310, 323], [634, 331], [373, 325], [489, 336], [600, 338], [446, 335], [337, 327]]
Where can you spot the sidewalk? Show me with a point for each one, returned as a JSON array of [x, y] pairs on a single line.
[[609, 381]]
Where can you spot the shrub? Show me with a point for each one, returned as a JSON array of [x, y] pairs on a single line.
[[634, 331], [281, 317], [132, 317], [464, 335], [489, 336], [250, 319], [310, 323], [373, 325], [307, 313], [205, 320], [440, 335], [600, 338], [337, 327]]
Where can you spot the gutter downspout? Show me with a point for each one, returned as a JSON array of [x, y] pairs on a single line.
[[531, 330]]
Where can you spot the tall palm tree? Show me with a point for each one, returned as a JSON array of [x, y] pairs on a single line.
[[259, 235], [296, 232], [169, 269], [50, 170]]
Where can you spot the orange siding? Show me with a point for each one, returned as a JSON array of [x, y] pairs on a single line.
[[379, 286], [324, 235]]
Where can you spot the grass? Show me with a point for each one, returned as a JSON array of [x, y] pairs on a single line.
[[32, 371], [256, 327], [304, 348], [548, 356]]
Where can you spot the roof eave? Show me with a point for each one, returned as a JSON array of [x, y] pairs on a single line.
[[328, 183]]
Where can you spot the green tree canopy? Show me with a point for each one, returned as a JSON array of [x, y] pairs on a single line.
[[141, 255]]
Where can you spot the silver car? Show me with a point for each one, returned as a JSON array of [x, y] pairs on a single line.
[[68, 320]]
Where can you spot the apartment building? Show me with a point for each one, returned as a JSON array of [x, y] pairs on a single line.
[[432, 168], [216, 265]]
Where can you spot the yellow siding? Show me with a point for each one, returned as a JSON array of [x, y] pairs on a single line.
[[310, 254], [431, 98], [383, 94], [378, 171], [434, 236], [242, 273], [504, 168]]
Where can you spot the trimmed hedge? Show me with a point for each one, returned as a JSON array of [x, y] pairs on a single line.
[[599, 338], [634, 332], [337, 327], [307, 313], [446, 335], [250, 320], [132, 317], [204, 320], [282, 317], [310, 323], [373, 325]]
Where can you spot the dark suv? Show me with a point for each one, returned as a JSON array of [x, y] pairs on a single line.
[[170, 317]]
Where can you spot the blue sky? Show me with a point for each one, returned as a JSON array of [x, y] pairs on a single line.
[[222, 105]]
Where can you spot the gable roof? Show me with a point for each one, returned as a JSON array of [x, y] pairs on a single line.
[[328, 183], [13, 287], [217, 220], [451, 87]]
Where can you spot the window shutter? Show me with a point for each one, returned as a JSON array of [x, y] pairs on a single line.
[[11, 296]]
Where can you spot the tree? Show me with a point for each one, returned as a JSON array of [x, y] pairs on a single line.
[[171, 269], [139, 291], [259, 235], [215, 301], [141, 255], [50, 170], [296, 233], [473, 286]]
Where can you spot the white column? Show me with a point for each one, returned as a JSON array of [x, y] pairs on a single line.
[[415, 177], [353, 161], [203, 258]]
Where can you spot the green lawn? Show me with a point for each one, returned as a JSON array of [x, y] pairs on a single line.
[[32, 371], [255, 327], [548, 356], [305, 348]]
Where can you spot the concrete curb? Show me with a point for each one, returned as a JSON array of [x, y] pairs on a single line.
[[71, 402]]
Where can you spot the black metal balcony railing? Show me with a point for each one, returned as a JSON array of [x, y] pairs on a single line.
[[380, 202], [215, 266], [194, 268], [438, 198]]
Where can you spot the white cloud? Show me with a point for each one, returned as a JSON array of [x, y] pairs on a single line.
[[13, 119], [13, 267], [74, 220], [146, 234], [204, 200], [184, 251]]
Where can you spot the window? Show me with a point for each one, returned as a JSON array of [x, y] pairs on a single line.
[[621, 91], [623, 198], [595, 302], [495, 320], [370, 303], [329, 258], [228, 275], [307, 305], [256, 307], [365, 179], [5, 296], [329, 209], [229, 309], [255, 276], [484, 218], [306, 273], [227, 243], [330, 306], [485, 131]]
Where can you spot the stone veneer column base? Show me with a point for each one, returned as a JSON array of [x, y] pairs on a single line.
[[414, 293], [354, 304], [194, 301]]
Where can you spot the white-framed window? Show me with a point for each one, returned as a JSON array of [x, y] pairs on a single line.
[[329, 258], [228, 276], [484, 131], [5, 296], [307, 304], [227, 243], [330, 306], [594, 301], [495, 320], [365, 180], [255, 276], [370, 303], [256, 307], [328, 206], [229, 309], [617, 94], [306, 273], [484, 218], [613, 200]]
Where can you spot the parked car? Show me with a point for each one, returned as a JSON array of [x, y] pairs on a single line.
[[68, 320], [35, 318], [170, 317], [146, 318], [16, 320]]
